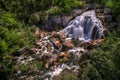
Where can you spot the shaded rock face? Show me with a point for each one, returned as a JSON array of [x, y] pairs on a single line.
[[105, 15], [57, 22], [85, 27], [53, 22]]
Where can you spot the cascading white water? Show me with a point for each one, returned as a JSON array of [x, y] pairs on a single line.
[[85, 27]]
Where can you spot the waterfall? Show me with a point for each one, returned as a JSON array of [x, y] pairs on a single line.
[[85, 27]]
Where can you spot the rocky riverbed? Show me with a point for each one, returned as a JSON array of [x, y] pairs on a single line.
[[51, 55]]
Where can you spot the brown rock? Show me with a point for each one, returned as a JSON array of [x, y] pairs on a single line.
[[46, 65], [68, 43], [99, 10], [100, 40], [37, 32], [93, 44], [58, 44], [64, 54], [65, 59], [30, 78], [62, 35], [54, 34], [53, 58], [66, 20], [42, 34]]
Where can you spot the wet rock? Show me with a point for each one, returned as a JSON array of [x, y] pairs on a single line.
[[68, 43], [58, 45], [99, 10], [77, 12], [54, 23], [54, 34], [101, 17], [93, 44], [62, 35], [66, 19]]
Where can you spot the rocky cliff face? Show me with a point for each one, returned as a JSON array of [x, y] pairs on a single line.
[[59, 22]]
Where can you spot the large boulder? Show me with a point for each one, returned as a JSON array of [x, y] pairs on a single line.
[[53, 23], [57, 22]]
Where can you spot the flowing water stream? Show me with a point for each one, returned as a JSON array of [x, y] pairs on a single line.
[[85, 27]]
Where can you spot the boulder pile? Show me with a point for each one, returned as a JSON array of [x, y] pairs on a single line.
[[50, 55]]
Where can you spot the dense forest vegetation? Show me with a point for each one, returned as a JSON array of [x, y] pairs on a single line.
[[17, 26]]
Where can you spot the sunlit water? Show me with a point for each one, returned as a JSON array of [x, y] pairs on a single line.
[[85, 27]]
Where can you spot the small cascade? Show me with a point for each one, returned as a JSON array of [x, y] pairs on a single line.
[[85, 27]]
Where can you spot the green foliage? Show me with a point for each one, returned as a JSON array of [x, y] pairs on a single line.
[[3, 46], [6, 67], [13, 36], [90, 73], [29, 66], [25, 9], [68, 76], [38, 64], [8, 20], [104, 60], [54, 10], [65, 6], [115, 6]]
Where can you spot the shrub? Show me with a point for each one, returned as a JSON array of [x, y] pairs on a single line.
[[104, 60]]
